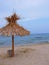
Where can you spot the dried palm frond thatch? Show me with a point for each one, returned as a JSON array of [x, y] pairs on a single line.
[[13, 29]]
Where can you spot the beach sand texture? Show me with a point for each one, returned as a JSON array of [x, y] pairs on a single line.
[[26, 55]]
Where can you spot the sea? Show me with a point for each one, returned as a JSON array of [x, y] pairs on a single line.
[[30, 39]]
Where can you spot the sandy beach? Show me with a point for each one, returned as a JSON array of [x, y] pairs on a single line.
[[37, 54]]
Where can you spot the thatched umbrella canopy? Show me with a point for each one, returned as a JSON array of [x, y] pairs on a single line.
[[13, 29]]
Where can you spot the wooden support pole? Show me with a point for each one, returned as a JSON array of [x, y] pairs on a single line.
[[12, 45]]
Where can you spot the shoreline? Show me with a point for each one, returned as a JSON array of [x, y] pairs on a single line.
[[2, 46]]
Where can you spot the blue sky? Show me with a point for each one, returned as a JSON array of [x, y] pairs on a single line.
[[34, 14]]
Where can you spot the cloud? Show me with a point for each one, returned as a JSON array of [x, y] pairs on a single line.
[[23, 3], [29, 9]]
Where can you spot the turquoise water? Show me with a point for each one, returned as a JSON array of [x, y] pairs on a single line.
[[31, 39]]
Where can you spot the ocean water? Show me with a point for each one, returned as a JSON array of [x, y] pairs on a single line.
[[30, 39]]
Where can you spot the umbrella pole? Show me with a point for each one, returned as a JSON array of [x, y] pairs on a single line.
[[12, 45]]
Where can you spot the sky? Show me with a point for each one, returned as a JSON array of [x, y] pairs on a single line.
[[34, 14]]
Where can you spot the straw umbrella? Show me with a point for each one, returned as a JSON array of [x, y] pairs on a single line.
[[12, 29]]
